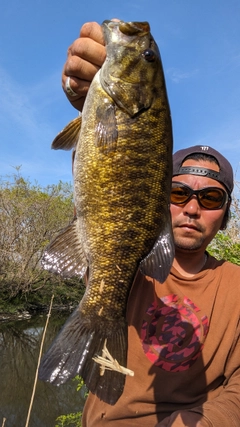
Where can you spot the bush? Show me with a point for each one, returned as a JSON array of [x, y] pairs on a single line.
[[226, 244], [29, 218], [73, 419]]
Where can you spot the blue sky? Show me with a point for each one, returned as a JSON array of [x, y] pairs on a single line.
[[199, 43]]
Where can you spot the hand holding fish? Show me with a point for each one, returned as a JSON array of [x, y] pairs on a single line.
[[85, 56]]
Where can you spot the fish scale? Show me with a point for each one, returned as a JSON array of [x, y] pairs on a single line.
[[122, 178]]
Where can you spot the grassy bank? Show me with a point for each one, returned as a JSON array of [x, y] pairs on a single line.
[[37, 299]]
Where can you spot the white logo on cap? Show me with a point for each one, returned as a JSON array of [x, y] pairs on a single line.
[[204, 148]]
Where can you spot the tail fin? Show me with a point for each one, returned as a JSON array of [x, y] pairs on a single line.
[[72, 353]]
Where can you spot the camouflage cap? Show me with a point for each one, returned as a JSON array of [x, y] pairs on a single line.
[[224, 176]]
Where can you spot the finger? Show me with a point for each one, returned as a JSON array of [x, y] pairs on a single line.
[[77, 103], [89, 50], [81, 74], [80, 87], [79, 68], [93, 31]]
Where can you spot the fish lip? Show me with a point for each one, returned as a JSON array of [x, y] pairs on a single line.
[[110, 24], [131, 28]]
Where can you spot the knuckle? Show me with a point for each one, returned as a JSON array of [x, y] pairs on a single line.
[[69, 51], [88, 29], [73, 65], [78, 49]]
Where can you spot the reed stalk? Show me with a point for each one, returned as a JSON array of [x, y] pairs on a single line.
[[38, 363]]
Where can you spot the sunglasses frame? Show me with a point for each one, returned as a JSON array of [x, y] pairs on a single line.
[[196, 193]]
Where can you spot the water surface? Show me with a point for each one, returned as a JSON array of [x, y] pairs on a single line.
[[19, 350]]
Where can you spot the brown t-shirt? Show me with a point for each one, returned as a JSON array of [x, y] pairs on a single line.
[[184, 348]]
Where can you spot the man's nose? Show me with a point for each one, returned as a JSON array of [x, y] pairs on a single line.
[[192, 207]]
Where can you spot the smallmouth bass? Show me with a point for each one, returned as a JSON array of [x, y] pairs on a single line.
[[122, 180]]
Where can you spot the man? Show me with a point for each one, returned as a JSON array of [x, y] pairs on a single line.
[[184, 342]]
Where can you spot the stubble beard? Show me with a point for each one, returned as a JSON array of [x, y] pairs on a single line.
[[186, 244]]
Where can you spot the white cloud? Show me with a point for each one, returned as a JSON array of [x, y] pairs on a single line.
[[177, 75], [15, 104], [28, 124], [25, 106]]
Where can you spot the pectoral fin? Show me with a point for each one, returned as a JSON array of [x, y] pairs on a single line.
[[69, 136], [64, 255], [158, 262], [106, 132]]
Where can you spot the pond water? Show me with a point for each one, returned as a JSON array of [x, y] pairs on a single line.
[[19, 350]]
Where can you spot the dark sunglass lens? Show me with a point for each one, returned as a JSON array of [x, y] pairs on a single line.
[[212, 198], [179, 194]]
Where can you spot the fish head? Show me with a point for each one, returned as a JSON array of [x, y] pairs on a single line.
[[132, 67]]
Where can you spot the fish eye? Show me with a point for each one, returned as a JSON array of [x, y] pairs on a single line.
[[149, 55]]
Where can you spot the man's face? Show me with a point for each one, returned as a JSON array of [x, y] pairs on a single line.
[[193, 226]]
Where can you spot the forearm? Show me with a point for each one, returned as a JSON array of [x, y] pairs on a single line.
[[222, 411], [185, 419]]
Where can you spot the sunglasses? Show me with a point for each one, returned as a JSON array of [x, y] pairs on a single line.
[[211, 198]]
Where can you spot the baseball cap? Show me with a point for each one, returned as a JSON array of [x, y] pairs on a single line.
[[224, 176]]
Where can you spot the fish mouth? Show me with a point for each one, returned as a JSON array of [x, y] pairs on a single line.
[[134, 28], [128, 28]]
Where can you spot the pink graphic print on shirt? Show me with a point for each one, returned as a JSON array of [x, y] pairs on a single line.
[[172, 334]]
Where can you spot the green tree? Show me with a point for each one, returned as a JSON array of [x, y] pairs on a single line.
[[30, 216], [226, 244]]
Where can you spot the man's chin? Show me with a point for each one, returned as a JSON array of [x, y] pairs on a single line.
[[188, 246]]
